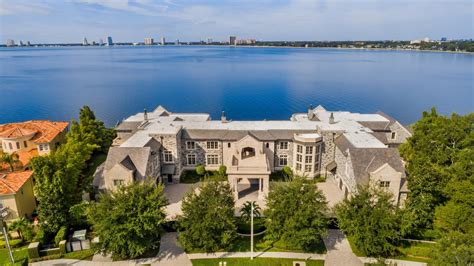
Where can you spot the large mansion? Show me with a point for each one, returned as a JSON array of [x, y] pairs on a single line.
[[348, 148]]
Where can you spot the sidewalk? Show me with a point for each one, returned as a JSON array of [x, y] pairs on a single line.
[[261, 254]]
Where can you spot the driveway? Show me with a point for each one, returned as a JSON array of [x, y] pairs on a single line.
[[171, 253], [175, 194], [339, 250], [332, 193]]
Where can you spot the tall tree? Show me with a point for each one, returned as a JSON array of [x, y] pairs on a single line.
[[208, 220], [57, 183], [369, 218], [129, 221], [455, 248], [436, 154], [296, 213], [91, 130]]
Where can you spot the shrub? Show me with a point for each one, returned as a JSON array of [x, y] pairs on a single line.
[[41, 236], [287, 172], [61, 235], [222, 171], [14, 243], [201, 170]]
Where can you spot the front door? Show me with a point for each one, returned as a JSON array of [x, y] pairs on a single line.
[[170, 178]]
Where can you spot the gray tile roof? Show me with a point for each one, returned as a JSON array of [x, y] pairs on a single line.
[[130, 157], [366, 160], [233, 135]]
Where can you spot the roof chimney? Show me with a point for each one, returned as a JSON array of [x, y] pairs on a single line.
[[145, 115], [331, 118], [223, 118], [310, 112]]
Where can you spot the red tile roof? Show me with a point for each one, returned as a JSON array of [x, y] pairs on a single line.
[[12, 182], [45, 130]]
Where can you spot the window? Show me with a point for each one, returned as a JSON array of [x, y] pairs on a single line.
[[24, 144], [118, 182], [283, 160], [384, 183], [284, 145], [298, 166], [18, 145], [394, 135], [307, 168], [316, 166], [10, 145], [299, 158], [267, 145], [191, 159], [167, 156], [228, 145], [190, 145], [212, 145], [318, 148], [212, 159], [299, 149], [40, 147], [309, 150], [308, 159]]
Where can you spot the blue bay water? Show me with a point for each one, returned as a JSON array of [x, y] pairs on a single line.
[[248, 83]]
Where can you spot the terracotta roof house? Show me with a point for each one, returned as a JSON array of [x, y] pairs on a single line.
[[16, 195], [162, 144], [31, 138]]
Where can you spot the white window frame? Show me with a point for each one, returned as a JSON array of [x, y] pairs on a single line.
[[299, 158], [212, 159], [298, 167], [167, 155], [284, 145], [384, 184], [283, 157], [308, 159], [212, 145], [299, 148], [310, 149], [308, 166], [190, 145], [190, 157]]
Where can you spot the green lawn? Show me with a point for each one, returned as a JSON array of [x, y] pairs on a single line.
[[20, 256], [254, 262], [411, 251]]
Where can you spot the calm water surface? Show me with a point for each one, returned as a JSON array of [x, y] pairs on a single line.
[[248, 83]]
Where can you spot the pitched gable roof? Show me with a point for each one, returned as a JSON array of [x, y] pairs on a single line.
[[12, 182], [129, 157]]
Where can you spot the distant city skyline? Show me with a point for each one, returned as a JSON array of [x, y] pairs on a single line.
[[48, 21]]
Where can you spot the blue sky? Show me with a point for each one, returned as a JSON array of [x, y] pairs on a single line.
[[132, 20]]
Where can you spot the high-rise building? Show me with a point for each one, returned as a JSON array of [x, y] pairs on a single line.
[[209, 41], [84, 42], [163, 41], [28, 43], [20, 43], [149, 41], [109, 41], [101, 42], [176, 42], [443, 39], [10, 42], [232, 40]]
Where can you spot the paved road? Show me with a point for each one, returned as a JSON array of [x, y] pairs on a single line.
[[339, 250], [284, 255]]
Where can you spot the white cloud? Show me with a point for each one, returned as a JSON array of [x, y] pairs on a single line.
[[12, 7], [142, 7]]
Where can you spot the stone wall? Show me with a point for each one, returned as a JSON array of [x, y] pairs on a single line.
[[279, 152], [201, 150]]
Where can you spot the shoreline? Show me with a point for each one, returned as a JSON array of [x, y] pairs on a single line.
[[249, 46]]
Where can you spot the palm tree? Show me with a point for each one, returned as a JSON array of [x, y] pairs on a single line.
[[246, 210], [20, 226], [11, 159]]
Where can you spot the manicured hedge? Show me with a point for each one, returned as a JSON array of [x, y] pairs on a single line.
[[14, 243], [49, 257]]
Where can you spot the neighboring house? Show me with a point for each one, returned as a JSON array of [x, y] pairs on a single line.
[[16, 195], [162, 144], [31, 138]]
